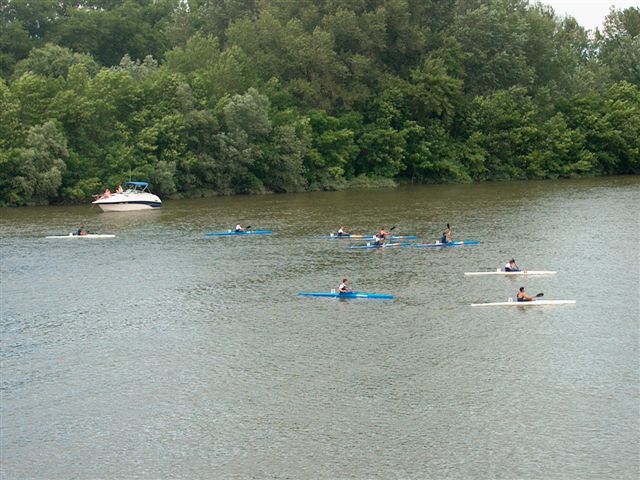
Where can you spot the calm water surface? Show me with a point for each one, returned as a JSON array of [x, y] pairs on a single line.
[[164, 354]]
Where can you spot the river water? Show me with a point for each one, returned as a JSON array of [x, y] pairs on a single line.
[[165, 354]]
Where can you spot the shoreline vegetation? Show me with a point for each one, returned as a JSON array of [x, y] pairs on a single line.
[[206, 98]]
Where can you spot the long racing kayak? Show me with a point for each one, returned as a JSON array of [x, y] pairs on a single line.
[[380, 296], [369, 238], [533, 303], [383, 245], [233, 233], [522, 272], [335, 236], [447, 244], [87, 236]]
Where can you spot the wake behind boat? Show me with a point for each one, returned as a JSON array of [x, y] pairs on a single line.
[[533, 303], [136, 196], [88, 236], [233, 233], [334, 294], [519, 273]]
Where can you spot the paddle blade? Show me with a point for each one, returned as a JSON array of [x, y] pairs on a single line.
[[247, 227], [539, 295], [392, 228]]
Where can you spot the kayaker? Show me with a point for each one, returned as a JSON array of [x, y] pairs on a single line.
[[239, 228], [381, 237], [81, 231], [342, 232], [447, 236], [344, 286], [511, 266], [523, 297]]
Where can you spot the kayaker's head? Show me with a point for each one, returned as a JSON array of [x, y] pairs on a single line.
[[344, 280], [522, 289], [512, 260], [448, 226]]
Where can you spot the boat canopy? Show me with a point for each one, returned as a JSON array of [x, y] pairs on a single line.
[[136, 184]]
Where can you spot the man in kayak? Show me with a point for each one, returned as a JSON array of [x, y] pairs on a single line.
[[447, 236], [381, 237], [523, 297], [511, 266], [342, 232], [239, 228], [344, 286], [81, 231]]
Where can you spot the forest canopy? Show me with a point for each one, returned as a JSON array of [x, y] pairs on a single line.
[[217, 97]]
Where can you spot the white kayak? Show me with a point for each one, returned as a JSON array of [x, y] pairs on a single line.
[[87, 236], [521, 272], [533, 303]]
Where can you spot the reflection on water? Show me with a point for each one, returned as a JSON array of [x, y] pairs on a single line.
[[163, 353]]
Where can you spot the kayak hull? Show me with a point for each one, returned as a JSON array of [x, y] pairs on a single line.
[[85, 237], [232, 233], [368, 237], [384, 245], [512, 274], [533, 303], [449, 244], [380, 296]]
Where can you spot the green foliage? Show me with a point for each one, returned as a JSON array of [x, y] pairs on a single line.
[[33, 174], [246, 96], [53, 61]]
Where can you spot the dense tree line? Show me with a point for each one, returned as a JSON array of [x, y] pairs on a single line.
[[249, 96]]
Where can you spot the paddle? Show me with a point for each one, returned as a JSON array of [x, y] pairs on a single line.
[[539, 295], [247, 227]]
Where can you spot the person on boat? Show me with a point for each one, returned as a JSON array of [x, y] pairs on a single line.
[[381, 237], [511, 266], [119, 189], [447, 236], [342, 232], [523, 297], [344, 286], [107, 193], [239, 228], [81, 231]]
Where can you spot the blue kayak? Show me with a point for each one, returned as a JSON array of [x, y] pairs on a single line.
[[381, 296], [447, 244], [383, 245], [232, 233]]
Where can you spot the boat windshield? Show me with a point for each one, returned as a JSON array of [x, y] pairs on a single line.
[[136, 186]]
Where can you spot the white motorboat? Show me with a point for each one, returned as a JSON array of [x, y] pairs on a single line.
[[136, 196], [518, 273]]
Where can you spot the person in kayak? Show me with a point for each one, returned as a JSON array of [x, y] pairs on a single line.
[[523, 297], [381, 237], [342, 232], [81, 231], [239, 228], [511, 266], [447, 236], [344, 286]]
